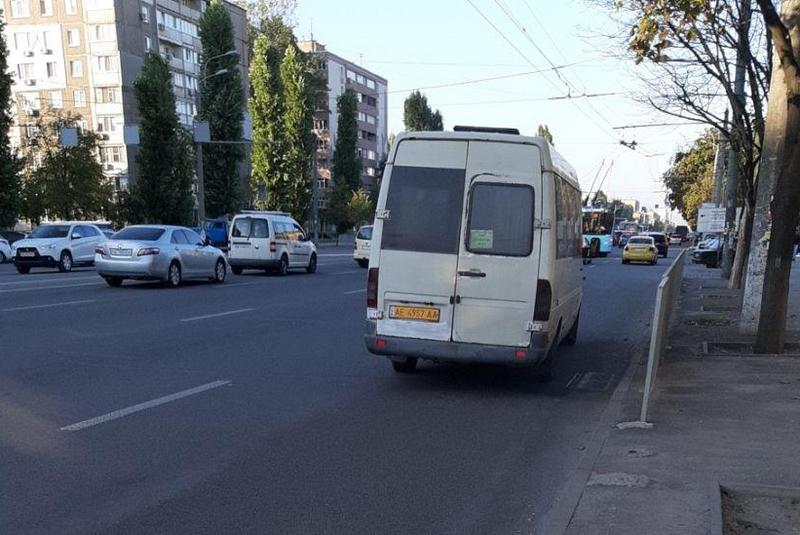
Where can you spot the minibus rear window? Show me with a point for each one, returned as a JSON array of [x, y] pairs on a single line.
[[500, 220], [425, 206]]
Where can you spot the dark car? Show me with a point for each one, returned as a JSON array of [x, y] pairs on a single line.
[[710, 254], [216, 231], [662, 243], [11, 236]]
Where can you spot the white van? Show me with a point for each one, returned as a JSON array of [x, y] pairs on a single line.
[[269, 240], [476, 250], [361, 245]]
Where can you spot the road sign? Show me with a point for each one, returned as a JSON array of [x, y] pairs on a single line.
[[710, 219]]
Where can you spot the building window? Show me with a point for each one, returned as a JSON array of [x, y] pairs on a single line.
[[148, 43], [25, 71], [371, 84], [145, 14], [51, 69], [106, 64], [370, 171], [76, 68], [31, 101], [22, 41], [46, 8], [106, 123], [103, 32], [70, 7], [73, 37], [111, 154], [320, 124], [56, 100], [106, 95], [47, 40], [79, 99], [20, 8]]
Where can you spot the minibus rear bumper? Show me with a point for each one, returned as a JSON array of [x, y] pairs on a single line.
[[448, 351]]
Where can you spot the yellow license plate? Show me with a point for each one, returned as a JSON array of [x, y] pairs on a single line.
[[414, 313]]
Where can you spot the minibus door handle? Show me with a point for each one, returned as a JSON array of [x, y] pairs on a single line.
[[472, 273]]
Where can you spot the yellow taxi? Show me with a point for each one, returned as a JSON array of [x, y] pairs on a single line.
[[640, 249]]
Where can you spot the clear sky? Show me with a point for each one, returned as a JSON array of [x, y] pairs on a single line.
[[417, 44]]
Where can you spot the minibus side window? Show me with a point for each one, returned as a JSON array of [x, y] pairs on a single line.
[[500, 220]]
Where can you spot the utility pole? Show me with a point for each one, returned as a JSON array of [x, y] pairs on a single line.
[[201, 189], [719, 166], [314, 192], [733, 168]]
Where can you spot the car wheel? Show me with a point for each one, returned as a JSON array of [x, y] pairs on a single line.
[[116, 282], [65, 262], [363, 263], [24, 270], [405, 366], [572, 335], [625, 261], [2, 258], [174, 275], [312, 264], [283, 266], [655, 261], [220, 271], [236, 270]]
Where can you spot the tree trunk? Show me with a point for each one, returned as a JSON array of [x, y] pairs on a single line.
[[769, 167], [742, 247], [786, 207]]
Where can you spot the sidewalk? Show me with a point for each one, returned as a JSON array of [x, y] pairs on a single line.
[[729, 419]]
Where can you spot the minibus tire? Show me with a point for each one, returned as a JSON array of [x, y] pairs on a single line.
[[405, 366], [572, 336]]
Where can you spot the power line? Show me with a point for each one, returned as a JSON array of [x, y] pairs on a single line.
[[652, 125], [513, 101], [479, 80]]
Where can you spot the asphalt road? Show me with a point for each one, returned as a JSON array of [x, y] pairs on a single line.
[[253, 407]]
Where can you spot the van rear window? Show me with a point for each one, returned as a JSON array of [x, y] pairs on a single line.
[[501, 220], [425, 206]]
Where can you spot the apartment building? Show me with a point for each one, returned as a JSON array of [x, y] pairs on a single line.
[[371, 90], [83, 56]]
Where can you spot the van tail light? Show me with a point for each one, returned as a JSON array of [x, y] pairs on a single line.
[[273, 247], [100, 250], [544, 296], [372, 288], [148, 251]]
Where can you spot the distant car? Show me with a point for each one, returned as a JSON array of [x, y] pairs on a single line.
[[708, 252], [62, 245], [5, 250], [675, 239], [216, 230], [623, 240], [361, 246], [640, 249], [269, 240], [662, 244], [159, 252], [11, 236]]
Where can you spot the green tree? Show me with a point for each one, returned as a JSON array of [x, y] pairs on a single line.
[[298, 120], [418, 115], [221, 104], [162, 192], [10, 163], [346, 162], [600, 199], [267, 110], [690, 178], [361, 207], [65, 182], [544, 131]]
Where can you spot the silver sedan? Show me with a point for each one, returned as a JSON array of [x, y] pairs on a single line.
[[158, 252]]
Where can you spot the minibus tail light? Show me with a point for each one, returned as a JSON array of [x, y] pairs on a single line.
[[372, 288], [544, 296]]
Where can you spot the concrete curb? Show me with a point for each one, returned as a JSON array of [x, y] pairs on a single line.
[[558, 518], [716, 489]]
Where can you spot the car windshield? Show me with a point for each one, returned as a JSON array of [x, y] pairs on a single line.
[[365, 233], [210, 225], [139, 234], [50, 231], [641, 241]]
